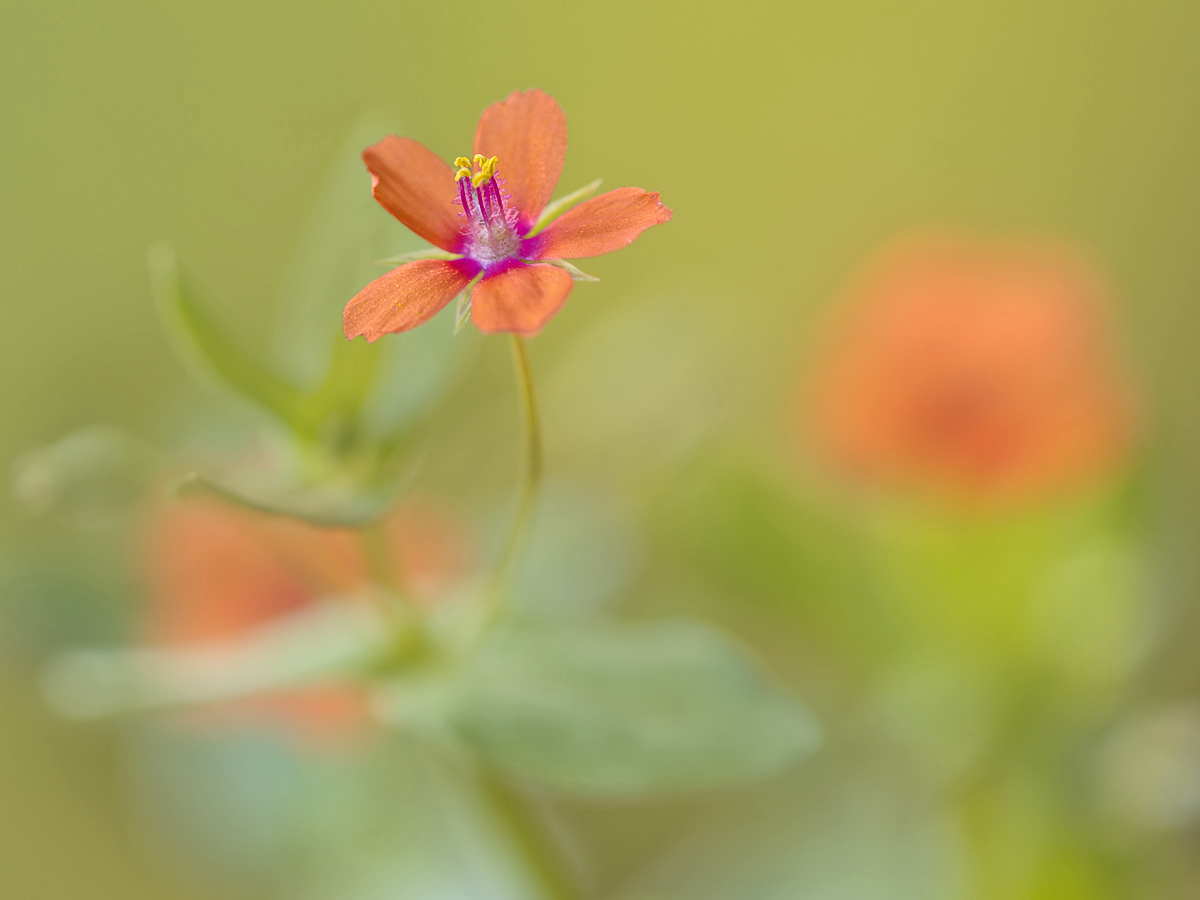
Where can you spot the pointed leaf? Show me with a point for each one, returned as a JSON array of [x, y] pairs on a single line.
[[364, 391], [91, 477], [344, 236], [627, 709], [328, 504], [208, 354], [328, 642]]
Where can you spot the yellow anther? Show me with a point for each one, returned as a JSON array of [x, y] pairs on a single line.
[[462, 173], [480, 159], [463, 163], [487, 168]]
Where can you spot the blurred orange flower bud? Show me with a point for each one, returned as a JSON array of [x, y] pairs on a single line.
[[214, 573], [981, 371]]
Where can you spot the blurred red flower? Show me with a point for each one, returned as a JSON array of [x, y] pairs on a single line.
[[981, 370], [484, 222], [214, 573]]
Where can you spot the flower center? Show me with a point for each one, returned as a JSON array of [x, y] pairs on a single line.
[[491, 227]]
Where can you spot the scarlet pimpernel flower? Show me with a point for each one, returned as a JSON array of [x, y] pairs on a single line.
[[981, 369], [489, 219]]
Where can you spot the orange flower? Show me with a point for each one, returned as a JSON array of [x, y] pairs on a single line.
[[977, 369], [216, 573], [486, 224]]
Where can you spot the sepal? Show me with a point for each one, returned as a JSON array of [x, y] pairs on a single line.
[[430, 253], [562, 204], [462, 308], [576, 273]]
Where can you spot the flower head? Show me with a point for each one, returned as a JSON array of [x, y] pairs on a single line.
[[979, 370], [485, 213]]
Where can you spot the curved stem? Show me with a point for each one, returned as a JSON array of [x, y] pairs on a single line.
[[531, 477]]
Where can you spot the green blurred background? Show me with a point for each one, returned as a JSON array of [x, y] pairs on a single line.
[[790, 139]]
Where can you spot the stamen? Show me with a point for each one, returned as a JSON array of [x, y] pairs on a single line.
[[497, 201], [464, 196], [487, 168], [490, 227]]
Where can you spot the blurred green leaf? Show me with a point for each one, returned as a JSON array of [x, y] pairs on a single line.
[[207, 352], [328, 642], [379, 388], [346, 234], [416, 369], [359, 816], [328, 504], [581, 554], [976, 585], [641, 385], [842, 833], [761, 540], [91, 477], [627, 709], [449, 841]]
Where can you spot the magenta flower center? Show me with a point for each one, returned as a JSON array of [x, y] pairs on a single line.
[[490, 226]]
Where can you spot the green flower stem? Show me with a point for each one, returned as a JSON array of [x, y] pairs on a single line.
[[382, 567], [531, 478], [512, 812]]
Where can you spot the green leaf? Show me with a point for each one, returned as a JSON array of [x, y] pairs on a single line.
[[274, 809], [416, 369], [748, 530], [345, 236], [626, 398], [853, 833], [91, 477], [581, 554], [627, 709], [328, 642], [362, 391], [988, 588], [562, 204], [206, 351], [328, 504]]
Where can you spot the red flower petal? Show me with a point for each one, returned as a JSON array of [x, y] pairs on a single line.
[[600, 225], [406, 296], [528, 132], [417, 187], [521, 299]]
